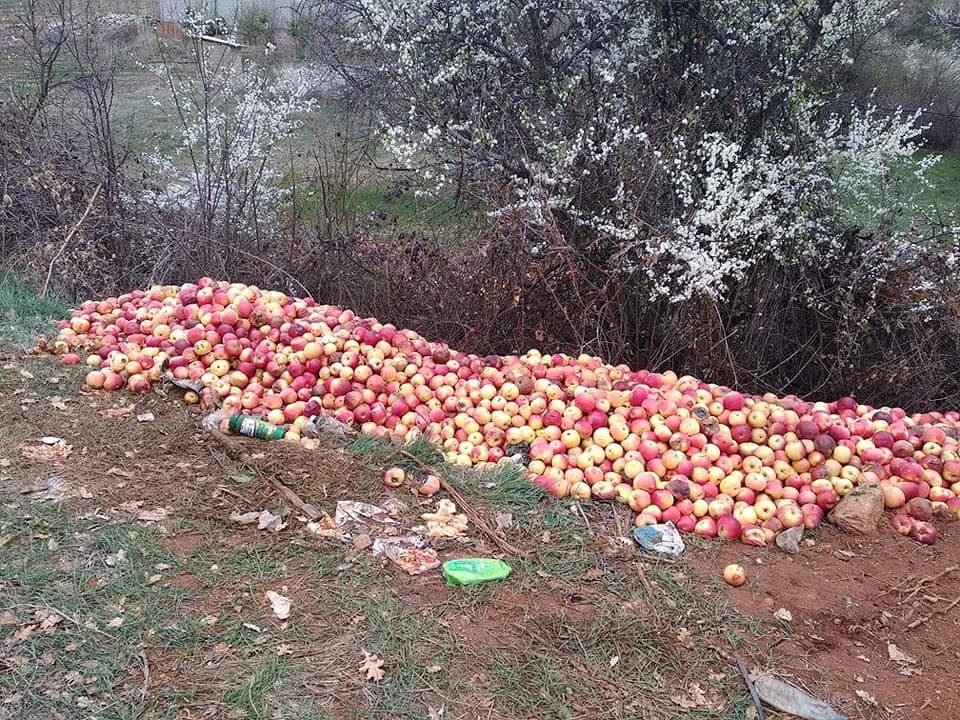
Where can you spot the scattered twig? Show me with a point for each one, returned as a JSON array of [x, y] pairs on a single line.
[[234, 493], [584, 516], [643, 578], [482, 525], [235, 450], [68, 238], [916, 584], [307, 509], [745, 674], [221, 41], [924, 582], [147, 679], [942, 611], [70, 618]]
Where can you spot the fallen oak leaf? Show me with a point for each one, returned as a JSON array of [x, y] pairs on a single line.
[[47, 453], [372, 667], [695, 697], [23, 632], [47, 620], [593, 574]]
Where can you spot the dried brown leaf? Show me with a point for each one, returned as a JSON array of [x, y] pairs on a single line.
[[372, 667]]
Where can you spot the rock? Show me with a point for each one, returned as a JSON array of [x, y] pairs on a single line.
[[789, 540], [362, 542], [860, 511]]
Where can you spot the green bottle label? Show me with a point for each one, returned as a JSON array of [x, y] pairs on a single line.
[[252, 427]]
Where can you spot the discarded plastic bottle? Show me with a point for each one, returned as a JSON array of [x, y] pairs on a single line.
[[252, 427], [471, 571]]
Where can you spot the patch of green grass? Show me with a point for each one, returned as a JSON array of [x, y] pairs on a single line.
[[641, 644], [533, 686], [706, 604], [93, 572], [249, 700], [96, 578], [560, 544], [377, 451], [391, 208], [504, 487], [24, 315], [944, 179], [411, 644], [255, 563], [937, 199]]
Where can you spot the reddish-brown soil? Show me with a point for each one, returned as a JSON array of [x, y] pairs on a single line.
[[850, 597]]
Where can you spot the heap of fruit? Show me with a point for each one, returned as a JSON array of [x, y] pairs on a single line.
[[710, 459]]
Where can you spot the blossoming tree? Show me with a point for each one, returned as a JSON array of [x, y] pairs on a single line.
[[682, 143]]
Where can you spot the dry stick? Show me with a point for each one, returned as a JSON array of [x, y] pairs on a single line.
[[924, 583], [643, 579], [584, 516], [919, 584], [750, 686], [944, 611], [228, 491], [147, 678], [236, 451], [69, 617], [66, 241], [467, 509]]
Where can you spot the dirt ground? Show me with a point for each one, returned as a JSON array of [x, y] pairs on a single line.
[[851, 599], [585, 627]]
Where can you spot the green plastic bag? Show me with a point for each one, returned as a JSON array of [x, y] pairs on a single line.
[[471, 571]]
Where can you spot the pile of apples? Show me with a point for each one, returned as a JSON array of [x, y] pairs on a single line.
[[711, 460]]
